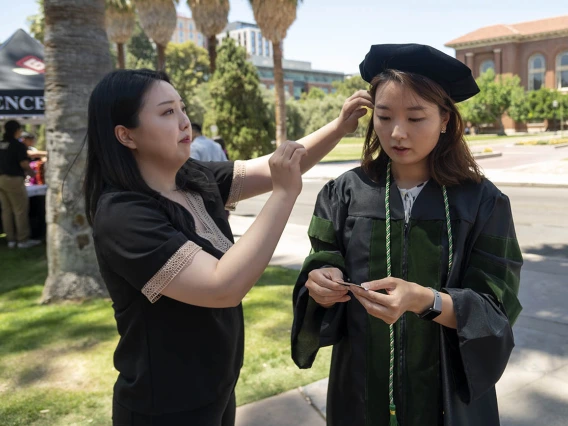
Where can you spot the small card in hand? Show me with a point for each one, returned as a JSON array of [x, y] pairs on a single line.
[[348, 284]]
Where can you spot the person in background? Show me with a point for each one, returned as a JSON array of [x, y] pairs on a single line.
[[29, 140], [221, 142], [14, 166], [203, 148]]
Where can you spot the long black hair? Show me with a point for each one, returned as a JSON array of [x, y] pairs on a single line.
[[117, 100]]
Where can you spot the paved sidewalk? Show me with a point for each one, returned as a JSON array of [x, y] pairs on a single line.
[[534, 388], [550, 173]]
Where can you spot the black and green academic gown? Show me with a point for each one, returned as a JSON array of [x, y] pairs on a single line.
[[442, 376]]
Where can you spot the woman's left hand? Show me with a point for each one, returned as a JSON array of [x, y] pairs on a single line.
[[402, 296]]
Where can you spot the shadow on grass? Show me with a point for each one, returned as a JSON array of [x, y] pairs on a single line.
[[31, 375], [22, 267], [67, 323]]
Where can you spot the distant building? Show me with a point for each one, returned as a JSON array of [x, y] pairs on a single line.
[[248, 36], [536, 51], [187, 31], [299, 77]]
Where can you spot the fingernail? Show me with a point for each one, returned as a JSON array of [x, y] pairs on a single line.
[[365, 286]]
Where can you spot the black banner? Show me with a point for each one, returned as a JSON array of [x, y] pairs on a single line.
[[21, 102]]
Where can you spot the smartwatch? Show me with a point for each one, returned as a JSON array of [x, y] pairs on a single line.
[[435, 310]]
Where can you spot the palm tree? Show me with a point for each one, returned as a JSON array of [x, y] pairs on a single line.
[[210, 19], [76, 58], [274, 17], [158, 19], [37, 23], [120, 19]]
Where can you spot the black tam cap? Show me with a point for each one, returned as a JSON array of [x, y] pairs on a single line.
[[454, 76]]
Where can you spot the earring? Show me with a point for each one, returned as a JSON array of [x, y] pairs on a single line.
[[443, 130]]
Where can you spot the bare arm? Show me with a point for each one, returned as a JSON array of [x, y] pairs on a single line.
[[37, 154], [222, 283], [25, 165], [317, 144]]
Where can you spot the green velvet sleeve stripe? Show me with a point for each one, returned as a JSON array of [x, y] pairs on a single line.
[[322, 229], [326, 258], [507, 248], [488, 276]]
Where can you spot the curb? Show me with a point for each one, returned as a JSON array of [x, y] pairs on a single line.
[[531, 184], [487, 155], [563, 145]]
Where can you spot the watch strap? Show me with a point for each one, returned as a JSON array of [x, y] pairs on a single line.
[[435, 309]]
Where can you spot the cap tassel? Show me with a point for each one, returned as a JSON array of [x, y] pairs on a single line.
[[393, 420]]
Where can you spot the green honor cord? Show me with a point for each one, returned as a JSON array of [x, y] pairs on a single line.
[[392, 406]]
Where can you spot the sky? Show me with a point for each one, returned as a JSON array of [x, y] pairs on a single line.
[[335, 35]]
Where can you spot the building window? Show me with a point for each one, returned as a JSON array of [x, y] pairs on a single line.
[[486, 65], [191, 36], [562, 70], [267, 48], [180, 25], [181, 36], [537, 69], [191, 26]]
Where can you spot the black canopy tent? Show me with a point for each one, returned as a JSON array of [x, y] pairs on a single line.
[[21, 98], [21, 78]]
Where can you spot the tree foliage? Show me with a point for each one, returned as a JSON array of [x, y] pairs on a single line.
[[240, 112], [494, 99]]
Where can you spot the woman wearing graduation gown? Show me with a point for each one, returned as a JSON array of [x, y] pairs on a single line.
[[432, 242], [166, 251]]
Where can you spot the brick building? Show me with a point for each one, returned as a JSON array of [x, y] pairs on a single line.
[[536, 51]]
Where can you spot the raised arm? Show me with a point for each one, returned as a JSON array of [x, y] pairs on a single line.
[[222, 283], [318, 144]]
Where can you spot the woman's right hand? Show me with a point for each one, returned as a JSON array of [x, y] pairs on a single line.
[[324, 290], [285, 168]]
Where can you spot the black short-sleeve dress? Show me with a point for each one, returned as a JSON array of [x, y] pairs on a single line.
[[172, 357]]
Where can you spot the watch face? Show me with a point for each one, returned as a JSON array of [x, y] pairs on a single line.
[[430, 314]]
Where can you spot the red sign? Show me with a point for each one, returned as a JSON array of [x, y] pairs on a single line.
[[32, 63]]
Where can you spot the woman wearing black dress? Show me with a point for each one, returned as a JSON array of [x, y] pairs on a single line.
[[166, 251]]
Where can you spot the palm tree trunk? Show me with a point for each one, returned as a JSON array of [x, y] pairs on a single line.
[[121, 55], [212, 48], [161, 57], [73, 29], [280, 97]]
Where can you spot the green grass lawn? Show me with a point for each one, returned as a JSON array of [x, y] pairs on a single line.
[[351, 149], [56, 360]]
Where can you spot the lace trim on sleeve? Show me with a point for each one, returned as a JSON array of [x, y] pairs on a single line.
[[180, 259], [239, 174]]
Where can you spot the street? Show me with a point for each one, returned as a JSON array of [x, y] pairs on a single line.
[[539, 214]]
